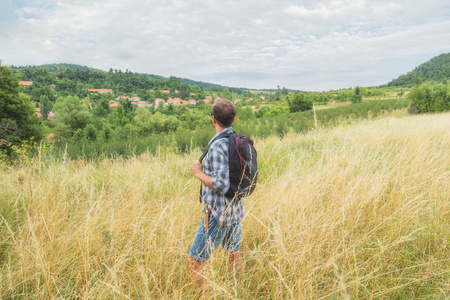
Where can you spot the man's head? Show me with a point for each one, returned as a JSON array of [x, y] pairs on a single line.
[[224, 112]]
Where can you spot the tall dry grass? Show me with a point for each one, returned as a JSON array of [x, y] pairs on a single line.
[[359, 212]]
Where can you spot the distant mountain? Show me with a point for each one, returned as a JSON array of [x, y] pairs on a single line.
[[436, 69]]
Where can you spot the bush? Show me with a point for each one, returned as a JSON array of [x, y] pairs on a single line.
[[299, 103], [425, 99]]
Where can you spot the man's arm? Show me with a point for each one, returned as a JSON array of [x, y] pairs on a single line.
[[196, 169]]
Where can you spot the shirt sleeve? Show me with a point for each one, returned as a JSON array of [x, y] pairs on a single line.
[[220, 169]]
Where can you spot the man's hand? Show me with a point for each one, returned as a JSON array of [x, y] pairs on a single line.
[[196, 168]]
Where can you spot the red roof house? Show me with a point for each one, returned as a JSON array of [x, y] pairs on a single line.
[[101, 91], [174, 101], [143, 103]]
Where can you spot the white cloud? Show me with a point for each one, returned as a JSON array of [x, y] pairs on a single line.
[[312, 45]]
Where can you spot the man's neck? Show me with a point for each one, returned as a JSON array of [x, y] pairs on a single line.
[[219, 128]]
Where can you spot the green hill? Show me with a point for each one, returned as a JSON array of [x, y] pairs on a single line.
[[436, 69], [52, 68]]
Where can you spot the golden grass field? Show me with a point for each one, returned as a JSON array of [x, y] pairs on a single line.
[[358, 212]]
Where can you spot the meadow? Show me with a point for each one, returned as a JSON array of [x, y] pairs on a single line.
[[357, 211]]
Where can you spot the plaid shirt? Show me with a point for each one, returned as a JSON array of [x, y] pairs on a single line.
[[216, 165]]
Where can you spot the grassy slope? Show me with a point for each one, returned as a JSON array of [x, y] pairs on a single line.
[[358, 212]]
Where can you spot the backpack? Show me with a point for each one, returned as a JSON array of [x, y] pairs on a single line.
[[243, 165]]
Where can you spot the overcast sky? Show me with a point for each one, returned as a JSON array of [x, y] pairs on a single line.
[[308, 45]]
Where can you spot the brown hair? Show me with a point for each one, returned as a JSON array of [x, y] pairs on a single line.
[[224, 111]]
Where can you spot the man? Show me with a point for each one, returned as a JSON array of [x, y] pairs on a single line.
[[221, 224]]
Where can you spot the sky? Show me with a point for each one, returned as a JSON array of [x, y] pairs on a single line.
[[307, 45]]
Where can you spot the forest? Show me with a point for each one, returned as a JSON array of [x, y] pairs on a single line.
[[436, 69]]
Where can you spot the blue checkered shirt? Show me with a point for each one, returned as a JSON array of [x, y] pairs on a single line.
[[216, 165]]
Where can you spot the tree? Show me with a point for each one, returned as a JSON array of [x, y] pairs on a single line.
[[118, 117], [226, 94], [356, 98], [299, 103], [45, 105], [70, 114], [81, 91], [417, 81], [101, 110], [425, 99], [18, 121], [142, 115]]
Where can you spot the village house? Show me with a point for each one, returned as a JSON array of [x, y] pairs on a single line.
[[100, 91], [237, 100], [113, 104], [123, 98], [174, 101], [50, 115], [25, 83], [135, 99], [158, 100], [143, 104]]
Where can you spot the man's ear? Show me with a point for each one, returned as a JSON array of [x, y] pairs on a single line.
[[234, 119]]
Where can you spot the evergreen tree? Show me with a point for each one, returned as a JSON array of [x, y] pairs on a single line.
[[45, 105]]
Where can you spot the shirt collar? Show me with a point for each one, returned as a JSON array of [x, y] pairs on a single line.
[[217, 134]]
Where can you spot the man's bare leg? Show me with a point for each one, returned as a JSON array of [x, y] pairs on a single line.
[[236, 262], [198, 277]]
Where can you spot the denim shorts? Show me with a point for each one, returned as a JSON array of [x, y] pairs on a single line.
[[206, 242]]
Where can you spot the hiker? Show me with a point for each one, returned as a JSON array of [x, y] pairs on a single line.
[[221, 223]]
